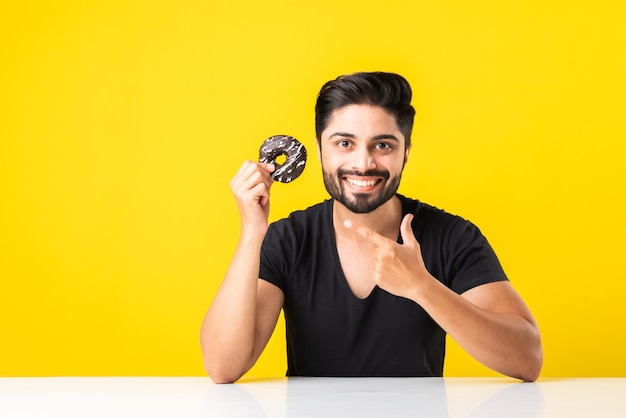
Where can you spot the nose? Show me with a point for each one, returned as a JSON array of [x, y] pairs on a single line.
[[363, 160]]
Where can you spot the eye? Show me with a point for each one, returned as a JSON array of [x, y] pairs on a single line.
[[343, 143], [383, 146]]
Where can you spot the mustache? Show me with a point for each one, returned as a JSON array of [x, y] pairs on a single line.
[[369, 173]]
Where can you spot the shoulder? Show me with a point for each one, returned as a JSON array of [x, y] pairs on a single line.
[[291, 240], [436, 227], [301, 222], [453, 248], [306, 216], [431, 218]]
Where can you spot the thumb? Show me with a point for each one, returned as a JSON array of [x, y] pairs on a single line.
[[406, 231]]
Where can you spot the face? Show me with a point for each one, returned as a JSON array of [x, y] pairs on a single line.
[[362, 154]]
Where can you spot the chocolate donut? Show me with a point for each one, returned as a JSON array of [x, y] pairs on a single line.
[[291, 148]]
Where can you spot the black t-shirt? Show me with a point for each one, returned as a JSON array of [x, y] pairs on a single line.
[[330, 331]]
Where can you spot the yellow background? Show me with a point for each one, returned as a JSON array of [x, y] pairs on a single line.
[[122, 122]]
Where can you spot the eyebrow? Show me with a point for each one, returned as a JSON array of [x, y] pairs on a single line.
[[375, 138]]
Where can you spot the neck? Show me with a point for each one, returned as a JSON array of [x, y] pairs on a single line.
[[385, 220]]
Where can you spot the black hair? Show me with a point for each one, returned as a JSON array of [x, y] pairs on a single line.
[[388, 90]]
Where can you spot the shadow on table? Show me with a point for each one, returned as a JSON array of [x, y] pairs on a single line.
[[250, 398], [494, 398]]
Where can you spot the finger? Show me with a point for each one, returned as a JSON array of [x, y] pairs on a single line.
[[242, 174], [252, 173], [248, 167], [376, 272], [261, 193], [366, 233], [408, 238], [243, 167], [269, 167]]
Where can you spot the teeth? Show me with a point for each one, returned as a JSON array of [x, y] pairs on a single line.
[[361, 183]]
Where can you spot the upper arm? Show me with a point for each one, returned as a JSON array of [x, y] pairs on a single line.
[[499, 297]]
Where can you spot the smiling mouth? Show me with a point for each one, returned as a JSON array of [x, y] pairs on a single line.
[[362, 183]]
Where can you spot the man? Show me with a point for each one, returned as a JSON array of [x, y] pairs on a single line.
[[370, 281]]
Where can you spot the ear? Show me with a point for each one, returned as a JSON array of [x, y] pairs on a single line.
[[406, 153], [319, 150]]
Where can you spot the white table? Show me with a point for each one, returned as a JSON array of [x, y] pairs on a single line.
[[311, 397]]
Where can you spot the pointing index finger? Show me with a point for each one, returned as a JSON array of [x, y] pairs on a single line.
[[365, 232]]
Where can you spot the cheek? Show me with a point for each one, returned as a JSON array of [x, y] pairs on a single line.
[[393, 163], [329, 162]]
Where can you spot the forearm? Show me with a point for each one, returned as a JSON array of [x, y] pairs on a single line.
[[228, 331], [506, 342]]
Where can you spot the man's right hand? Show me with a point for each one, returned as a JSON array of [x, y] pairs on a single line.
[[251, 187]]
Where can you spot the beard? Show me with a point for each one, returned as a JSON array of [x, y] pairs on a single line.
[[360, 202]]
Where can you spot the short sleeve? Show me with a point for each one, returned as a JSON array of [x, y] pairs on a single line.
[[273, 266], [472, 261]]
